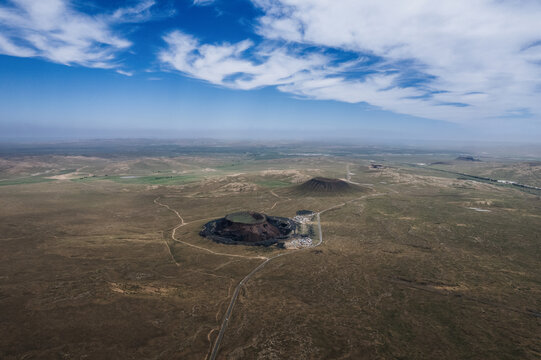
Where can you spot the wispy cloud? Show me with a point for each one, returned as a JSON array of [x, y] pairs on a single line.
[[203, 2], [229, 64], [461, 61], [458, 61], [477, 52], [125, 73], [137, 13], [54, 30], [310, 74]]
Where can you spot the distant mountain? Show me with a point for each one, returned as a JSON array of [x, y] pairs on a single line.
[[467, 158]]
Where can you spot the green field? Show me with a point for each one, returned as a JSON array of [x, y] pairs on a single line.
[[155, 180], [22, 181], [144, 180]]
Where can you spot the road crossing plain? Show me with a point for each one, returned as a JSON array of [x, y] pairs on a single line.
[[95, 264]]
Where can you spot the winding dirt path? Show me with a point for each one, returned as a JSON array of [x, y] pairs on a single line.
[[280, 199], [216, 346], [229, 311], [183, 223]]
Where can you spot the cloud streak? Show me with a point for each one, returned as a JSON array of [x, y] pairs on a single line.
[[476, 52], [203, 2], [230, 65], [53, 30], [460, 61]]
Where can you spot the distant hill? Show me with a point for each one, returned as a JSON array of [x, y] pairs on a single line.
[[327, 186], [466, 158]]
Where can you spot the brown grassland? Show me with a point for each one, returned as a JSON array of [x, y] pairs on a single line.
[[89, 268]]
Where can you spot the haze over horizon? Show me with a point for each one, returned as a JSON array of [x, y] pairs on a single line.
[[271, 69]]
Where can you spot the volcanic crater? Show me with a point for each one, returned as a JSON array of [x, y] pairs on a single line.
[[249, 228], [327, 186]]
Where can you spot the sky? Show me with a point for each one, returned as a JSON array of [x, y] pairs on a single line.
[[261, 69]]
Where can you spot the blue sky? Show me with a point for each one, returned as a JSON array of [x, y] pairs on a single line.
[[464, 70]]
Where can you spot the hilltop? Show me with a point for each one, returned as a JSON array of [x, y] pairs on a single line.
[[327, 186]]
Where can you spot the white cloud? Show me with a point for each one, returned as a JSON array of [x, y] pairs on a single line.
[[203, 2], [461, 61], [9, 48], [312, 76], [125, 73], [139, 12], [228, 65], [53, 30], [475, 50]]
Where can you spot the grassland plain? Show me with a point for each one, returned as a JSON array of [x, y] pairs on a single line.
[[91, 268]]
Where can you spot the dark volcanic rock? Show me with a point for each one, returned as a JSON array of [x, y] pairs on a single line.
[[248, 228], [327, 186], [321, 184]]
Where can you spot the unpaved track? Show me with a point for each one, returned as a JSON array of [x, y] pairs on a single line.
[[229, 311], [183, 223], [348, 176], [279, 199]]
